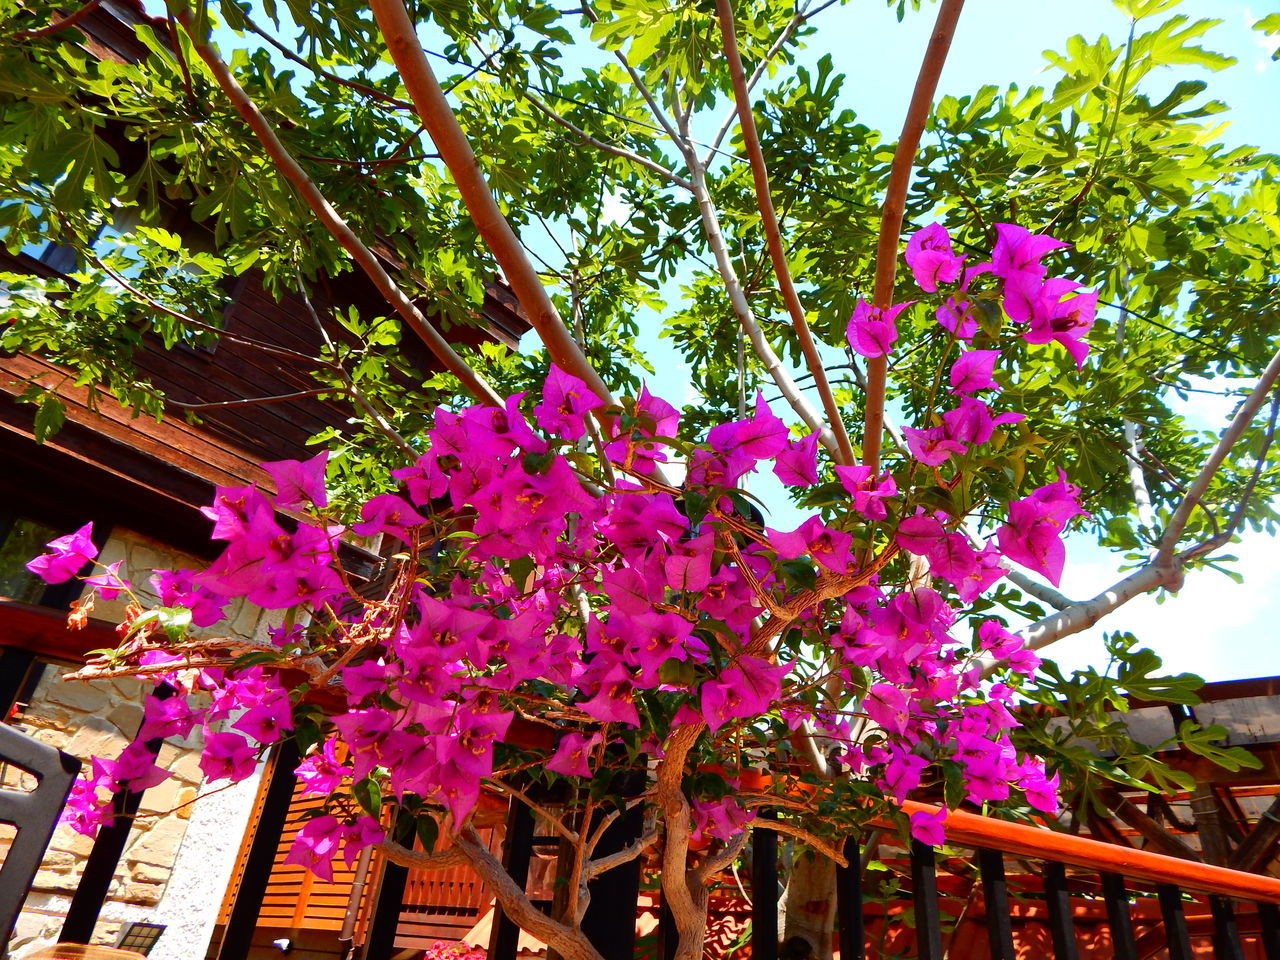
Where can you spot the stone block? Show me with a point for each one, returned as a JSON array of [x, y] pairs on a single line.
[[186, 766], [84, 697], [159, 845], [127, 718], [149, 873], [134, 892], [60, 881], [95, 742]]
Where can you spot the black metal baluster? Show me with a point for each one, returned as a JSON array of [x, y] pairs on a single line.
[[1226, 935], [1058, 899], [764, 893], [924, 885], [1118, 917], [668, 935], [995, 894], [1269, 927], [1175, 922], [849, 903], [518, 852]]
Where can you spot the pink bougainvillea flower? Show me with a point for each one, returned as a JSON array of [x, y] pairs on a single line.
[[388, 513], [971, 422], [746, 689], [872, 331], [1033, 534], [227, 756], [869, 492], [573, 755], [722, 819], [179, 588], [321, 773], [762, 437], [928, 827], [298, 482], [170, 717], [316, 844], [831, 548], [365, 832], [957, 314], [797, 465], [932, 446], [972, 371], [65, 557], [1018, 251], [108, 583], [566, 401], [931, 258]]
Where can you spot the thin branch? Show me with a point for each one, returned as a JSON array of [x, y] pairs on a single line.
[[1165, 569], [727, 855], [553, 821], [437, 116], [200, 324], [68, 21], [625, 855], [895, 207], [742, 309], [252, 401], [356, 394], [773, 236], [800, 17], [824, 847], [326, 74], [335, 224], [617, 151], [568, 942], [1244, 416]]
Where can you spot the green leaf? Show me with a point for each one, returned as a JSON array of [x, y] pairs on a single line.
[[50, 416]]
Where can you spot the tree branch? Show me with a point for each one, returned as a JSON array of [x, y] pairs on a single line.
[[742, 309], [68, 21], [567, 941], [418, 860], [437, 116], [894, 208], [321, 72], [773, 235], [1239, 423], [617, 151], [335, 224]]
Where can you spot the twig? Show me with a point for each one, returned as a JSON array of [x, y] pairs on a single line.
[[68, 21], [321, 72], [436, 115], [617, 151], [335, 224], [894, 208], [773, 236], [251, 401]]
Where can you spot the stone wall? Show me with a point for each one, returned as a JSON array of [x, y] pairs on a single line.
[[180, 854]]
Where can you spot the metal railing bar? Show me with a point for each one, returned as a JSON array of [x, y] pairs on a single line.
[[1119, 918], [1058, 899], [1177, 939], [995, 894], [849, 903], [924, 891], [1269, 930], [1226, 934]]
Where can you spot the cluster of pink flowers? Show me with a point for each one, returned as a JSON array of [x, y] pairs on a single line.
[[620, 611]]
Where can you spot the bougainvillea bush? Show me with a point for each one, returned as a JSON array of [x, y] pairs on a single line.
[[572, 594]]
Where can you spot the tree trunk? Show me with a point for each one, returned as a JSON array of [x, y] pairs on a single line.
[[809, 903]]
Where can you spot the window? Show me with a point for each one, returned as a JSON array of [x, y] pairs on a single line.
[[22, 538]]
